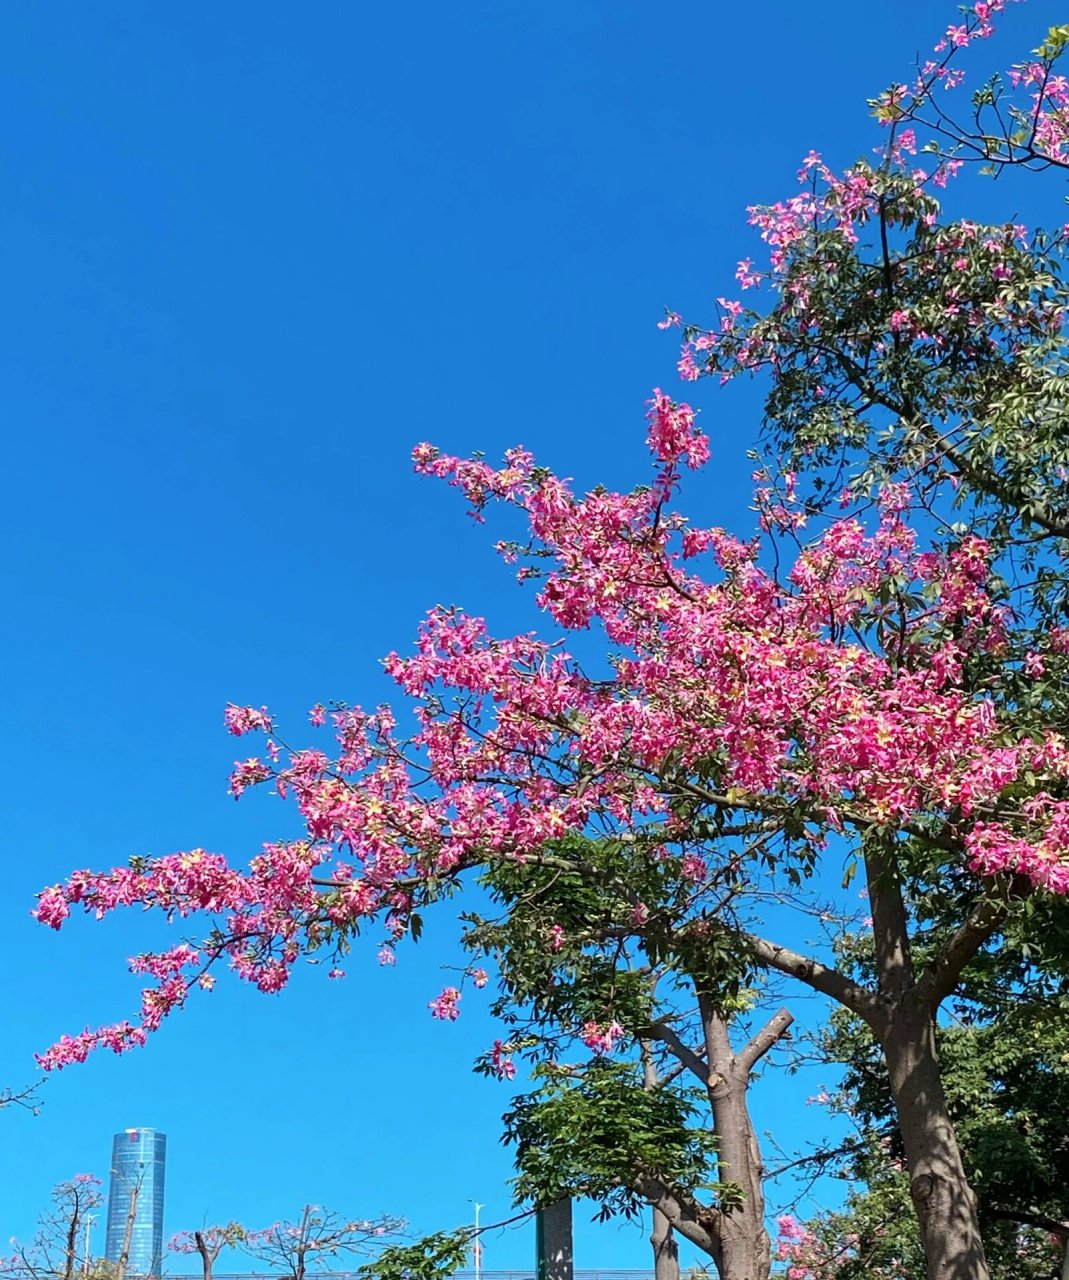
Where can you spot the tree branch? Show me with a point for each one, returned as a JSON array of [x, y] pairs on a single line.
[[895, 974], [698, 1223], [941, 976], [691, 1061], [828, 982], [21, 1097], [770, 1033], [1056, 1226]]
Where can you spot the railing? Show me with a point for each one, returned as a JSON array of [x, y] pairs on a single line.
[[638, 1273], [527, 1274]]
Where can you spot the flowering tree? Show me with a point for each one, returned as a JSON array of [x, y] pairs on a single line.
[[320, 1233], [887, 695], [584, 963], [874, 1234], [209, 1242], [1018, 119], [60, 1247], [1004, 1057]]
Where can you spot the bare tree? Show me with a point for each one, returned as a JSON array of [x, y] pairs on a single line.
[[131, 1217], [53, 1252], [320, 1233]]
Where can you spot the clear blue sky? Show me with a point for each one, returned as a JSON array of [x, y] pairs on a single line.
[[251, 253]]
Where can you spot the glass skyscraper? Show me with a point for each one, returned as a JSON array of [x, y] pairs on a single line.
[[138, 1164]]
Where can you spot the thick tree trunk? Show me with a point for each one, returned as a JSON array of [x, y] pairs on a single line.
[[665, 1249], [733, 1231], [944, 1201], [746, 1251], [207, 1257], [904, 1021]]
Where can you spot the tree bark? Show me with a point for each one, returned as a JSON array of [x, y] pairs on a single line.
[[905, 1026], [662, 1237], [207, 1257], [695, 1222], [746, 1251], [302, 1245], [124, 1256], [942, 1197], [665, 1249], [71, 1251]]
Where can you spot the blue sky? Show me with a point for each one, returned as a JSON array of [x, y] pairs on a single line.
[[251, 255]]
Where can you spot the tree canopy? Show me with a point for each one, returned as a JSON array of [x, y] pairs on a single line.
[[871, 683]]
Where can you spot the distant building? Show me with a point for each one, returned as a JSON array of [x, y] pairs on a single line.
[[138, 1165]]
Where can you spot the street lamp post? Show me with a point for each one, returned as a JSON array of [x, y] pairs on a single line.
[[478, 1250], [88, 1223]]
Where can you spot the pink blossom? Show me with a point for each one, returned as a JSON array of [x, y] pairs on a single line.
[[602, 1039], [673, 435], [745, 274], [501, 1062], [241, 720], [445, 1006], [1034, 665], [514, 744], [695, 868]]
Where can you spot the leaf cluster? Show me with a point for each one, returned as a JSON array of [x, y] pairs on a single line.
[[589, 1132]]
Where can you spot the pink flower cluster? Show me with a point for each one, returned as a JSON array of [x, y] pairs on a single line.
[[515, 745], [1050, 108], [602, 1038], [673, 435], [242, 720], [501, 1063], [446, 1005]]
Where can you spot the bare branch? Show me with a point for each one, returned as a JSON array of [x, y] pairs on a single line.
[[819, 977], [691, 1061], [1056, 1226], [26, 1097], [770, 1033], [941, 977]]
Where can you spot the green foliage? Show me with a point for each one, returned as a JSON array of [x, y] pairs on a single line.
[[875, 1234], [1005, 1067], [579, 934], [589, 1132], [432, 1258]]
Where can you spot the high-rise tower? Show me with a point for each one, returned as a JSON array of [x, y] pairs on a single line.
[[135, 1201]]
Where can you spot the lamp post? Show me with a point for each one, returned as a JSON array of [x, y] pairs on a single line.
[[478, 1250], [88, 1223]]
